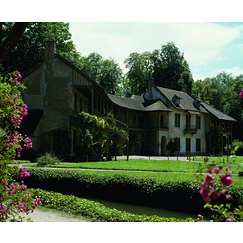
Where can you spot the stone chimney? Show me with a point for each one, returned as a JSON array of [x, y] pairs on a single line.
[[150, 84], [184, 88], [50, 48]]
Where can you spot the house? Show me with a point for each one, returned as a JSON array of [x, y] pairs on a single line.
[[56, 88]]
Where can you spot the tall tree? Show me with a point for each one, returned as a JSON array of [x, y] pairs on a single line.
[[171, 70], [105, 72], [140, 70], [30, 48], [203, 92]]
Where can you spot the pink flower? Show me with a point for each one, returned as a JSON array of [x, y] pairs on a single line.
[[215, 194], [204, 192], [241, 93], [216, 170], [200, 216], [209, 178], [228, 197], [227, 169], [229, 220], [226, 180], [208, 170]]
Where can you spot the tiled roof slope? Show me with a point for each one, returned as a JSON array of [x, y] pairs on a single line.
[[135, 102], [186, 100], [220, 115]]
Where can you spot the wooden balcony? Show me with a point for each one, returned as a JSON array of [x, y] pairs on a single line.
[[192, 129]]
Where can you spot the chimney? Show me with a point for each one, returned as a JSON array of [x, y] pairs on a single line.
[[184, 88], [50, 48], [150, 84]]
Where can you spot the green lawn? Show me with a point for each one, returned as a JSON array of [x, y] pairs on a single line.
[[144, 165], [233, 160], [135, 165]]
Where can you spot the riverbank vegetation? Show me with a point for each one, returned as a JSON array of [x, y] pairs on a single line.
[[95, 211]]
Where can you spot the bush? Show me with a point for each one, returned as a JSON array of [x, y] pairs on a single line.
[[181, 196], [95, 210], [47, 159]]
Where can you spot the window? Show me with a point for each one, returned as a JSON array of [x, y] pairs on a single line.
[[188, 121], [177, 120], [161, 121], [188, 145], [75, 101], [177, 144], [198, 144], [198, 122], [80, 104], [142, 120]]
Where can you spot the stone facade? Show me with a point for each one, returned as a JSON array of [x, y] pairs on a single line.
[[57, 88]]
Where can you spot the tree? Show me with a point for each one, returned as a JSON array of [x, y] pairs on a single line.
[[105, 72], [29, 51], [171, 70], [140, 70], [203, 91]]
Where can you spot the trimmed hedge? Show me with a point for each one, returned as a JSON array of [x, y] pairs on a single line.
[[178, 196], [95, 210]]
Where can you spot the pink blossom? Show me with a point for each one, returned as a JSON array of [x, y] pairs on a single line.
[[216, 170], [229, 220], [200, 216], [209, 178], [241, 93], [215, 194], [226, 180], [208, 170], [228, 197]]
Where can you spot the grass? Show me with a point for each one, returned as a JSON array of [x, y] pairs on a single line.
[[231, 160], [144, 165]]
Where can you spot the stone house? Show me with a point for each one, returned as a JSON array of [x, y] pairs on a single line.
[[56, 88]]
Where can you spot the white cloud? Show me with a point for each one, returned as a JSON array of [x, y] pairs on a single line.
[[235, 71], [203, 44]]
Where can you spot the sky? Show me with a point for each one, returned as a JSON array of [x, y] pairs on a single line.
[[208, 47]]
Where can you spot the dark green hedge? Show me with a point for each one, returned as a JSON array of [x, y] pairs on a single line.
[[178, 196], [94, 210]]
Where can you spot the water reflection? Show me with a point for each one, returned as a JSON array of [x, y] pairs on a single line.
[[136, 209]]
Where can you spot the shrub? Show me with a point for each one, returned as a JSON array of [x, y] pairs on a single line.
[[95, 210], [47, 159], [173, 195]]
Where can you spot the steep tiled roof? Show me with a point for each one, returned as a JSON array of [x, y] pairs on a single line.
[[220, 115], [186, 100], [135, 102]]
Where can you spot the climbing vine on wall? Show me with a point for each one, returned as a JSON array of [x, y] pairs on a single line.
[[91, 132]]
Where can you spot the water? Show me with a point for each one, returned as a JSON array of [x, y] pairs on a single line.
[[136, 209]]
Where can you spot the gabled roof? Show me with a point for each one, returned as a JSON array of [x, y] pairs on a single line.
[[135, 102], [218, 114], [186, 100]]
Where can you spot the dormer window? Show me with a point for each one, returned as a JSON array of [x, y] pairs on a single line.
[[196, 103], [176, 100]]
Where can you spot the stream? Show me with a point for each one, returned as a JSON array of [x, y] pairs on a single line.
[[137, 209]]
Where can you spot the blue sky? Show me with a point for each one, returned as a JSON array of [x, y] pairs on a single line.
[[209, 47]]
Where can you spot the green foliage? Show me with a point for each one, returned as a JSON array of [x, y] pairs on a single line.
[[47, 159], [171, 146], [171, 70], [140, 70], [105, 72], [91, 132], [126, 188], [29, 51], [203, 92], [167, 66], [216, 140], [95, 210]]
